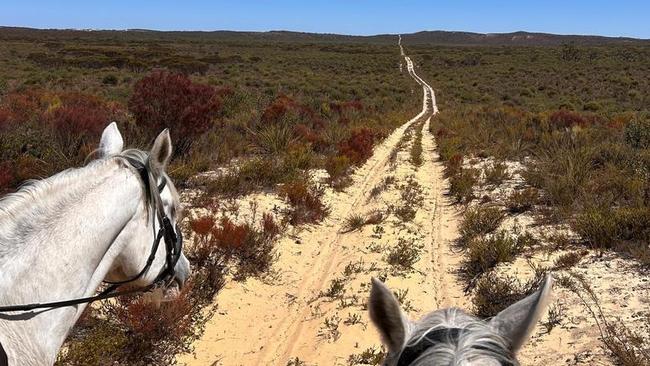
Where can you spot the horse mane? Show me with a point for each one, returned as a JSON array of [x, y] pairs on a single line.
[[476, 340], [33, 190]]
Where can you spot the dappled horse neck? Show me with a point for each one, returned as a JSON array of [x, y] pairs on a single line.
[[38, 203]]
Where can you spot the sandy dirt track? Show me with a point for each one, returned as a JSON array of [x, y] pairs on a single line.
[[302, 312]]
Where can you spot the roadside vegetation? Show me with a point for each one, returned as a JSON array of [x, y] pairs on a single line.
[[257, 115], [560, 134]]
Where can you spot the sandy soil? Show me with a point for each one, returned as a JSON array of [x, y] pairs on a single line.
[[288, 316], [621, 285], [311, 310]]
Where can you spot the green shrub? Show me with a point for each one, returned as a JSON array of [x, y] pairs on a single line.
[[110, 80], [598, 227], [484, 254], [496, 173], [461, 185], [404, 255], [479, 221], [522, 200], [637, 133]]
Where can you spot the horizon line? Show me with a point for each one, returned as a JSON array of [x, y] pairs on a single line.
[[319, 33]]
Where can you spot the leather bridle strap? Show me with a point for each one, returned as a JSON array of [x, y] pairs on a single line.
[[173, 244]]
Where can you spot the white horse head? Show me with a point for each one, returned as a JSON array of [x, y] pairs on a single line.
[[451, 337], [137, 242], [62, 236]]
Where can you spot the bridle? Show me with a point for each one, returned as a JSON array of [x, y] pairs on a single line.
[[170, 234], [411, 353]]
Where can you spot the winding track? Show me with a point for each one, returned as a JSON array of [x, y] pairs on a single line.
[[271, 323]]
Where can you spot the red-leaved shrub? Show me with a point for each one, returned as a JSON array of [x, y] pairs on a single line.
[[305, 201], [218, 244], [23, 106], [358, 147], [309, 135], [567, 119], [6, 175], [79, 114], [167, 100], [278, 109]]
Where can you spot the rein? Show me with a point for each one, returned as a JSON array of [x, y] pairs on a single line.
[[443, 335], [171, 235]]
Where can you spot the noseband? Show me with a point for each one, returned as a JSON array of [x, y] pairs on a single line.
[[439, 336], [167, 232], [172, 236]]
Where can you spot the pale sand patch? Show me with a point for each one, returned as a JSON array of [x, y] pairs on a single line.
[[621, 286], [270, 322]]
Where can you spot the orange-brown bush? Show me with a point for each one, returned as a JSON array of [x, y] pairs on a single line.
[[567, 119], [135, 331], [78, 121], [358, 147], [225, 243], [305, 201], [6, 176]]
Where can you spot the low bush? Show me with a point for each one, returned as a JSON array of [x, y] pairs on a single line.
[[353, 222], [483, 254], [136, 331], [606, 227], [6, 176], [496, 173], [306, 202], [78, 119], [404, 255], [110, 80], [478, 221], [337, 166], [522, 200], [416, 148], [249, 249], [358, 147], [461, 185], [567, 119], [168, 100], [637, 133], [493, 293], [598, 227], [567, 260], [411, 194]]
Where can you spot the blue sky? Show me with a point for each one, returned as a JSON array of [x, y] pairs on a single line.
[[611, 18]]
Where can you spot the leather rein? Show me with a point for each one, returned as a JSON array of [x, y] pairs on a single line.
[[172, 237]]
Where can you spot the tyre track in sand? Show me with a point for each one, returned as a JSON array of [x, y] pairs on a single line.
[[257, 325]]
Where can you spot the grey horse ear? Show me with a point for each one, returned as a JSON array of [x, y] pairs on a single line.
[[516, 322], [387, 316], [161, 152], [111, 142]]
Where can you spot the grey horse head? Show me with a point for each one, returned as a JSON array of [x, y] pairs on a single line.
[[451, 337]]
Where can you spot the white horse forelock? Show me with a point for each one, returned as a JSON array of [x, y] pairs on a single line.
[[477, 343]]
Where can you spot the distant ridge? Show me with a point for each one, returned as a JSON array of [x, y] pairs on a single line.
[[425, 37], [514, 38]]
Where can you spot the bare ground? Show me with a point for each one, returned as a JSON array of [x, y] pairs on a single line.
[[312, 308]]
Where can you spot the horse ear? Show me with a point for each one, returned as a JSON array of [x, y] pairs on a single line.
[[387, 316], [516, 322], [161, 152], [111, 142]]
